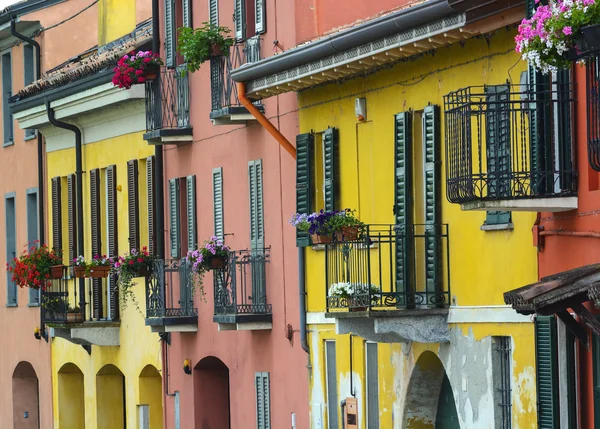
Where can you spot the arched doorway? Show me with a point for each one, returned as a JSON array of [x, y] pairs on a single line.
[[151, 395], [110, 398], [26, 400], [211, 394], [429, 399], [71, 404]]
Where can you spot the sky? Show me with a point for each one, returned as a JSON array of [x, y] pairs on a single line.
[[4, 3]]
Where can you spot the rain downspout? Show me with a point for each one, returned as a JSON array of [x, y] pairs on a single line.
[[79, 176]]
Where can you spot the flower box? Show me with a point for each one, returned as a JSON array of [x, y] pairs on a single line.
[[56, 271], [94, 272], [74, 317], [320, 239], [590, 38], [348, 233], [217, 262]]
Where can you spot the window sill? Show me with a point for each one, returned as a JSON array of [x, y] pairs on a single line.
[[31, 137], [10, 143], [498, 227], [33, 304], [12, 305]]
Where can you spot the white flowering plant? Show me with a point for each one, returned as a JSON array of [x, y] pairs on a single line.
[[347, 290], [553, 31]]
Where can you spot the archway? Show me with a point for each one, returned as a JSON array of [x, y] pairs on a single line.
[[71, 404], [110, 398], [26, 400], [151, 395], [429, 399], [211, 394]]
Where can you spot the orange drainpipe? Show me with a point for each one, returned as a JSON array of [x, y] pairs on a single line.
[[241, 89]]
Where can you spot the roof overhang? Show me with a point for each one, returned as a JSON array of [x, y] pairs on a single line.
[[25, 7], [24, 27]]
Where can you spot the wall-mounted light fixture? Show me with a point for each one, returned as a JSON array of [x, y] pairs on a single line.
[[360, 109], [186, 367]]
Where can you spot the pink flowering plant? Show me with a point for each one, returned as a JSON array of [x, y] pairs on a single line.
[[200, 259], [553, 30], [134, 68], [128, 267]]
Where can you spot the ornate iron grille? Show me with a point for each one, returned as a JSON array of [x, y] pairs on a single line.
[[509, 141], [55, 299], [593, 111], [168, 100], [389, 266], [223, 88], [169, 290], [241, 287]]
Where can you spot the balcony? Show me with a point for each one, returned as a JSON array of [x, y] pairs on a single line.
[[240, 292], [88, 318], [593, 111], [226, 108], [399, 283], [510, 147], [168, 108], [170, 297]]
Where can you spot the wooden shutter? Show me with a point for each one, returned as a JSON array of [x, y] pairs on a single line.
[[547, 371], [564, 130], [218, 202], [213, 12], [174, 217], [433, 203], [113, 236], [72, 217], [56, 215], [191, 211], [403, 207], [186, 6], [133, 204], [96, 230], [260, 25], [304, 155], [331, 379], [151, 204], [170, 30], [263, 400], [239, 20], [256, 204], [330, 166], [372, 386]]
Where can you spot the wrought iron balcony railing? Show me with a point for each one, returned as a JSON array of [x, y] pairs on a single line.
[[225, 104], [389, 267], [593, 111], [509, 142], [170, 294], [62, 301], [240, 289], [168, 106]]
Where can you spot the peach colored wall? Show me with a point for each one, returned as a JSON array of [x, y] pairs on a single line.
[[317, 17], [231, 147]]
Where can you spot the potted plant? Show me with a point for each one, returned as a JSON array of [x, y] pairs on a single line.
[[98, 267], [36, 267], [355, 296], [559, 33], [345, 226], [197, 266], [74, 314], [214, 254], [54, 307], [198, 45], [132, 265], [136, 68], [324, 226]]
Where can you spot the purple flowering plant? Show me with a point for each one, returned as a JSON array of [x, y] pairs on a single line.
[[325, 222], [199, 259], [553, 30]]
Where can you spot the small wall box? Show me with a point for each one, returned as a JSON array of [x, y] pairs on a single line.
[[351, 413]]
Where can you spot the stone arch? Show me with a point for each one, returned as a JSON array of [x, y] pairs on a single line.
[[429, 399], [211, 394], [150, 388], [71, 402], [110, 398], [25, 395]]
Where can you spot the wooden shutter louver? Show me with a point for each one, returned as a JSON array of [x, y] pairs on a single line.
[[218, 202], [330, 164], [304, 154], [133, 204], [186, 6], [174, 217], [151, 204], [256, 204], [239, 20], [56, 214], [259, 16], [96, 238], [170, 30], [113, 236], [72, 216], [403, 207], [263, 400], [372, 386], [191, 211], [546, 371], [213, 11]]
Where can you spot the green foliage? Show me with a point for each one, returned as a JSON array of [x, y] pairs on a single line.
[[197, 45]]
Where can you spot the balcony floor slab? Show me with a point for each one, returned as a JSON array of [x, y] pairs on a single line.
[[244, 322], [559, 204], [89, 333]]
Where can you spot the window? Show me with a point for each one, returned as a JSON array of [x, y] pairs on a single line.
[[331, 383], [182, 199], [151, 204], [372, 386], [112, 242], [501, 365], [249, 18], [263, 400], [546, 371], [218, 211], [32, 235], [7, 121], [257, 223], [11, 246], [71, 216], [57, 215], [213, 12], [178, 13], [28, 76], [133, 204]]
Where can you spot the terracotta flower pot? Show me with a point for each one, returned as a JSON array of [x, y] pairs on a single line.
[[150, 75], [142, 272], [99, 272], [74, 317], [356, 309], [56, 271], [320, 239], [348, 233], [217, 262], [215, 50]]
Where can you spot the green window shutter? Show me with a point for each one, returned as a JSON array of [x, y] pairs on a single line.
[[170, 30], [151, 203], [403, 198], [72, 217], [95, 226], [540, 132], [191, 211], [56, 215], [133, 202], [213, 11], [174, 216], [239, 20], [263, 400], [218, 202], [330, 167], [433, 204], [497, 218], [304, 155], [256, 204], [564, 131], [259, 16], [547, 372], [186, 6]]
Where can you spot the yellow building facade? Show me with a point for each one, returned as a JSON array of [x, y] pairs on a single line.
[[485, 342]]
